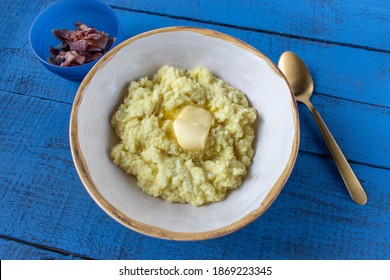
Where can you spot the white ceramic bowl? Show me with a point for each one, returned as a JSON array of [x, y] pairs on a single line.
[[239, 64]]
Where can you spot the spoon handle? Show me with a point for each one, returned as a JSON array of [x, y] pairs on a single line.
[[354, 187]]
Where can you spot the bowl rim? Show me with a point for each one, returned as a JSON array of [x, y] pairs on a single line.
[[85, 66], [153, 231]]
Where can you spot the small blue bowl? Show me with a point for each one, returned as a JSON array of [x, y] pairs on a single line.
[[62, 15]]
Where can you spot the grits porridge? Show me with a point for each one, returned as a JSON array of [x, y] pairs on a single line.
[[151, 147]]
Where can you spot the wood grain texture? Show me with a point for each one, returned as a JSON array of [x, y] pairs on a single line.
[[360, 130], [345, 22], [17, 250], [43, 202], [18, 16]]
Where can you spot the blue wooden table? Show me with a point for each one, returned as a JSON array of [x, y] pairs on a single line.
[[46, 213]]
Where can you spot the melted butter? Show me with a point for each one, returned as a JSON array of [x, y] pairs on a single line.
[[170, 133], [171, 114], [192, 127]]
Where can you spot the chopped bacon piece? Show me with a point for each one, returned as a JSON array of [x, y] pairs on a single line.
[[79, 46]]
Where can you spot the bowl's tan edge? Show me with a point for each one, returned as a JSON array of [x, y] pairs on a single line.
[[82, 168]]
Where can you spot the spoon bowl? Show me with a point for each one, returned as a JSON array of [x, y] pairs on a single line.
[[297, 75], [301, 82]]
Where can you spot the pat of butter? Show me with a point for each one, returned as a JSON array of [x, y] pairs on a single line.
[[192, 127]]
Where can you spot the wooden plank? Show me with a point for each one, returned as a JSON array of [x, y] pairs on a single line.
[[335, 21], [339, 71], [17, 17], [362, 131], [314, 218], [331, 21], [42, 201], [14, 250], [34, 79]]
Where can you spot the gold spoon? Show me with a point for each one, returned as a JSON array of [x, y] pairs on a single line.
[[301, 83]]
